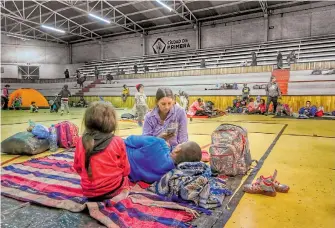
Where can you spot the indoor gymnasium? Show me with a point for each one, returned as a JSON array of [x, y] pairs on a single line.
[[157, 113]]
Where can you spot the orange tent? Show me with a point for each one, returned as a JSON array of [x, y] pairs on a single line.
[[28, 96]]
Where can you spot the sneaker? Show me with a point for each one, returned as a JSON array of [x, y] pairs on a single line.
[[283, 188], [264, 186]]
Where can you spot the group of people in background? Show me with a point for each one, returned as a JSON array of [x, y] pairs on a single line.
[[290, 58]]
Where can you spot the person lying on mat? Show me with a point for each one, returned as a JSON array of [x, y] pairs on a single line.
[[166, 117], [151, 157], [100, 157]]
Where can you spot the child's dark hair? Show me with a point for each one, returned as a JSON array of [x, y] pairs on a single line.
[[199, 100], [308, 102], [139, 86], [99, 117], [163, 92], [251, 100], [33, 102], [263, 101], [190, 152]]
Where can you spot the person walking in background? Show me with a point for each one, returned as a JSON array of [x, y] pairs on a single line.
[[125, 93], [64, 95], [245, 92], [279, 60], [203, 63], [67, 73], [4, 97], [141, 104], [183, 96], [253, 59], [96, 72], [273, 93], [135, 68]]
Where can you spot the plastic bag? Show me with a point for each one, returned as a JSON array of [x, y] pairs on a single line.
[[24, 143], [40, 131]]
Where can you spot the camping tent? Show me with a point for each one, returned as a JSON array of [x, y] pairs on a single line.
[[28, 96]]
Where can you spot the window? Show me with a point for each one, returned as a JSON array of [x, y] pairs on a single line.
[[29, 72]]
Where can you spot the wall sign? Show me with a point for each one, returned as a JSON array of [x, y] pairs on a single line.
[[160, 46]]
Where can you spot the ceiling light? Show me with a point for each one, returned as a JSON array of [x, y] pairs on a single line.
[[99, 18], [22, 38], [53, 29], [166, 6]]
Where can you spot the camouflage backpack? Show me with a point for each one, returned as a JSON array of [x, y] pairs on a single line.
[[230, 154]]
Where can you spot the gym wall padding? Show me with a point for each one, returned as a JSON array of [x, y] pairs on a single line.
[[222, 102], [28, 95]]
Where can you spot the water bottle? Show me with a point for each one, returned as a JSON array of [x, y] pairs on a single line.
[[53, 139]]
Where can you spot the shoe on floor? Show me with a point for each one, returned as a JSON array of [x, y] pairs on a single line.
[[282, 188], [262, 186]]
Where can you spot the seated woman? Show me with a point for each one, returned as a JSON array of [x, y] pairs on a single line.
[[166, 119], [261, 107], [150, 157], [100, 157], [251, 106], [197, 108]]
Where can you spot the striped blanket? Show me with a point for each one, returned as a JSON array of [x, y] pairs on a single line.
[[51, 181]]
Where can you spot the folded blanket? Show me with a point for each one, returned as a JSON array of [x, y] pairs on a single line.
[[192, 181]]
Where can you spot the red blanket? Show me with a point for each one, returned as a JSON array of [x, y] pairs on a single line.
[[52, 182]]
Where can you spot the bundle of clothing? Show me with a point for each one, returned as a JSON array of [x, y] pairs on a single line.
[[192, 181]]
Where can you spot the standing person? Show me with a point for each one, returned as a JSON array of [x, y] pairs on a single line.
[[291, 58], [96, 72], [166, 120], [279, 60], [245, 92], [109, 78], [125, 93], [273, 93], [146, 68], [203, 63], [77, 77], [141, 104], [64, 95], [67, 73], [253, 59], [100, 158], [135, 68], [183, 96], [4, 96]]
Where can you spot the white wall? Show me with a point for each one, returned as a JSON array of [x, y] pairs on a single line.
[[312, 20], [14, 50], [52, 58], [123, 46], [46, 70]]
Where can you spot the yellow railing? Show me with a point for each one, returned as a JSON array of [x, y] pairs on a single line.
[[222, 102], [200, 72], [313, 65]]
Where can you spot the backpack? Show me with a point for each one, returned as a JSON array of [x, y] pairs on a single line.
[[229, 151], [67, 134]]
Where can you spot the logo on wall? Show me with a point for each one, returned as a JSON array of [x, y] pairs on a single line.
[[159, 46]]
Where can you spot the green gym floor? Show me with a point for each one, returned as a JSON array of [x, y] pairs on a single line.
[[303, 152]]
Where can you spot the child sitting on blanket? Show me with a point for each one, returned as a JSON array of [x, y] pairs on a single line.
[[151, 157], [100, 157], [261, 107]]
